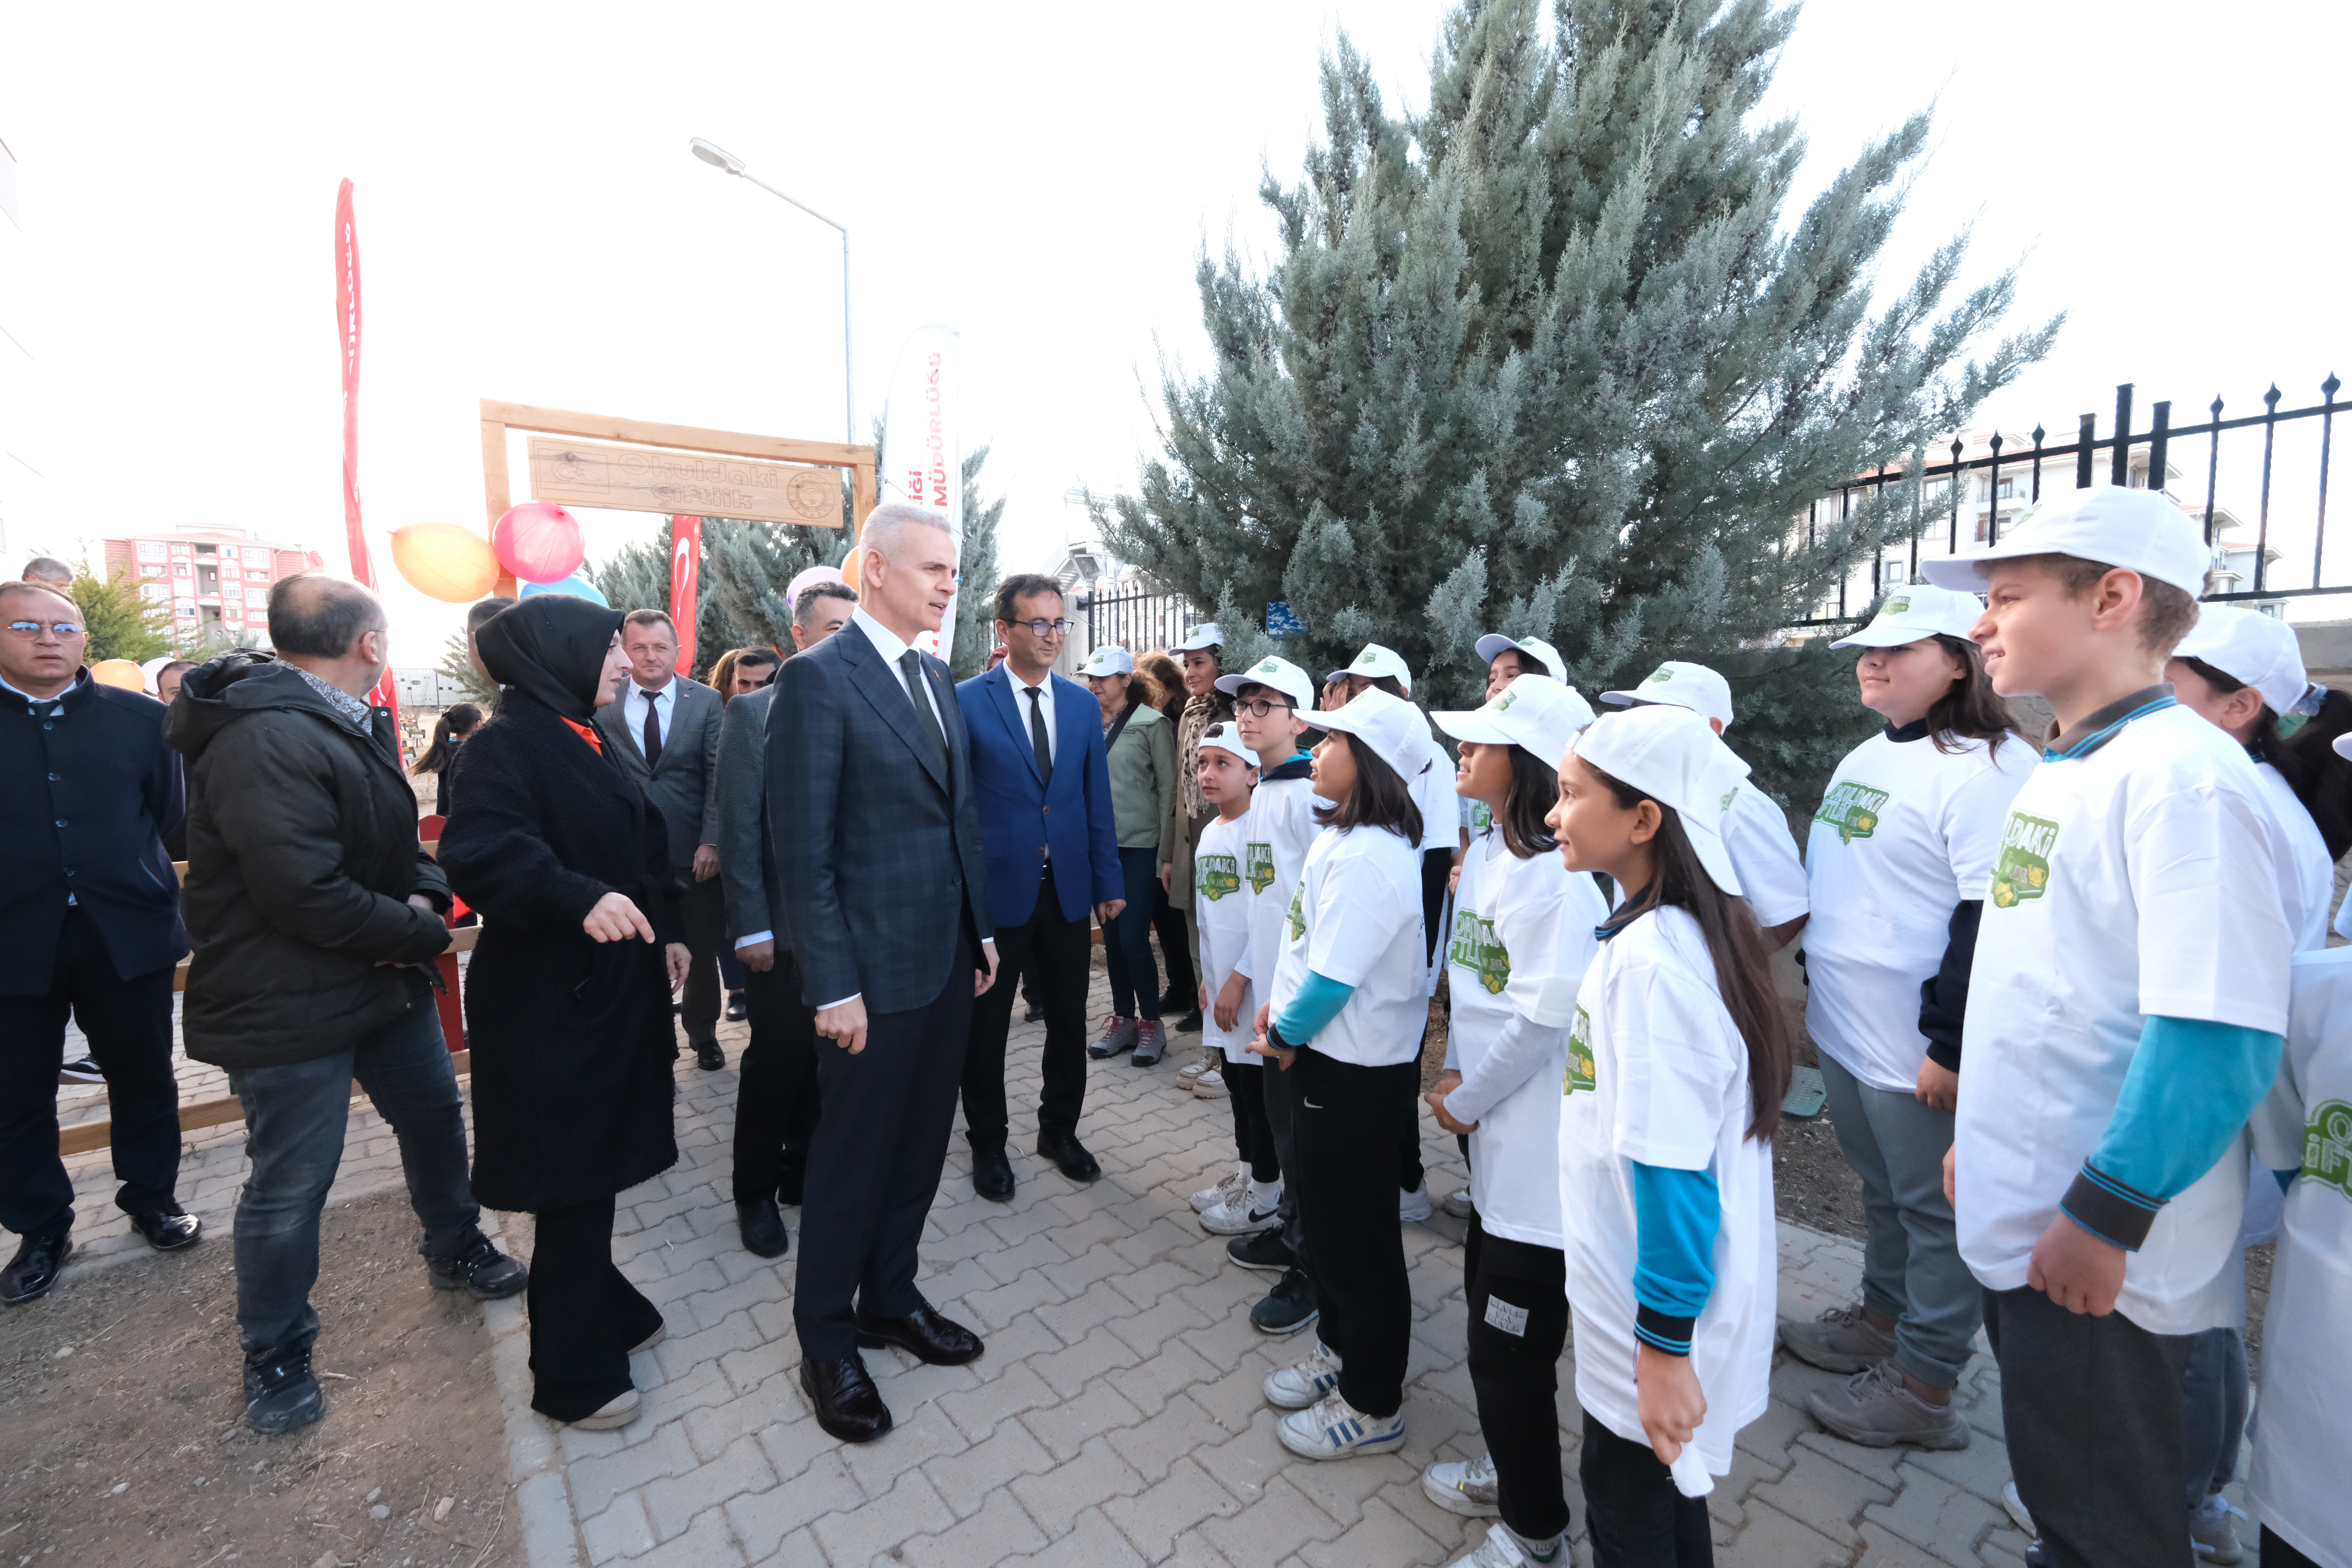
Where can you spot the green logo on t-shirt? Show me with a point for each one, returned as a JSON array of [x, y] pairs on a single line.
[[1853, 809], [2327, 1146], [1215, 876], [1297, 910], [1481, 816], [1257, 865], [1476, 949], [2024, 869], [1895, 606], [1579, 1055]]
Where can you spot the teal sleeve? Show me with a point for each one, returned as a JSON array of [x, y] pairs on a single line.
[[1316, 1002], [2191, 1087], [1675, 1213]]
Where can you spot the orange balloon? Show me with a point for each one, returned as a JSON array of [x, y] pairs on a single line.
[[849, 573], [445, 562], [119, 672]]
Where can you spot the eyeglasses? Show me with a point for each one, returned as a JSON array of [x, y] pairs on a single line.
[[1264, 707], [1041, 628], [35, 628]]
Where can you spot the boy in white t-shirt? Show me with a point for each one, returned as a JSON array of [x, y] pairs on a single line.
[[1228, 771], [2124, 1018]]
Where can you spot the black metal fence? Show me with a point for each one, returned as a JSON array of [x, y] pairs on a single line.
[[1139, 622]]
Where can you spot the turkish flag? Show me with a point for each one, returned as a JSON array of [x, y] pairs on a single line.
[[685, 582]]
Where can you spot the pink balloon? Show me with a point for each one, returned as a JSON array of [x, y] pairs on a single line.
[[538, 542]]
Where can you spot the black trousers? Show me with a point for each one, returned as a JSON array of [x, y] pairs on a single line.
[[1060, 952], [584, 1313], [2280, 1552], [1175, 947], [874, 1162], [128, 1021], [1281, 1100], [704, 910], [1253, 1135], [2094, 1413], [1519, 1326], [1632, 1514], [776, 1094], [1349, 1119]]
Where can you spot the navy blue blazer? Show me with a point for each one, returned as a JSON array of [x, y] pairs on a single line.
[[1022, 815]]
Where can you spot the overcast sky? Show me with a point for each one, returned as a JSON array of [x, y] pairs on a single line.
[[1039, 176]]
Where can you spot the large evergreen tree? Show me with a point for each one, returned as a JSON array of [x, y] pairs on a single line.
[[1549, 359]]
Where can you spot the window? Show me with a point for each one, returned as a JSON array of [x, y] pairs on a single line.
[[151, 550], [208, 550], [231, 590], [2008, 489], [187, 612], [156, 593], [179, 549], [256, 553], [150, 571], [253, 576], [180, 569]]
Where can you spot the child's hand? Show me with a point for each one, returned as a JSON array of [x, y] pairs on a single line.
[[1264, 1018], [1203, 1002], [1454, 879], [1436, 1100], [1259, 1047], [1229, 1001], [1938, 1088], [1952, 1175], [1672, 1404], [2076, 1269]]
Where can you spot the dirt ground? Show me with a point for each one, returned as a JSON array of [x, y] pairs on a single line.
[[124, 1443]]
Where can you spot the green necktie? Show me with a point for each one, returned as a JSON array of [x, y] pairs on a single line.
[[927, 724]]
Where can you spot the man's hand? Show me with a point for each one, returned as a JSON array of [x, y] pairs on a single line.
[[1672, 1402], [986, 977], [1446, 1119], [1939, 1087], [616, 919], [1108, 910], [759, 957], [678, 960], [1229, 1001], [1167, 871], [705, 862], [844, 1025], [2076, 1269]]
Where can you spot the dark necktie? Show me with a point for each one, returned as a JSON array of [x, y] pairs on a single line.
[[1037, 740], [927, 724], [652, 733]]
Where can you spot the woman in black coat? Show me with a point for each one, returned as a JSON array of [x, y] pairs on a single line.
[[567, 1000]]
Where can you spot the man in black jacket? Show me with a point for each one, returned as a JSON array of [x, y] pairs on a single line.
[[312, 909], [89, 922]]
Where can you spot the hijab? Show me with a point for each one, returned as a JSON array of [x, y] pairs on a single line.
[[551, 648]]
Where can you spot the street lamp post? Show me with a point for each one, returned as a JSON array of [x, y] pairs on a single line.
[[717, 157]]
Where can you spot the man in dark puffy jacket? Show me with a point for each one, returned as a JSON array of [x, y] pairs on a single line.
[[315, 918]]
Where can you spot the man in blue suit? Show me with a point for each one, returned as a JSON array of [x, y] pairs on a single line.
[[1052, 854]]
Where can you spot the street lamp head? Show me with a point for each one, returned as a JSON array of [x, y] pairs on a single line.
[[717, 157]]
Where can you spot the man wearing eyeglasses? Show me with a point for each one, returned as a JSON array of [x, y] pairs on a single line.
[[89, 922], [1053, 856]]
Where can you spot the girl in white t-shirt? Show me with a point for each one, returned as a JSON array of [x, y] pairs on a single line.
[[1221, 909], [1678, 1062]]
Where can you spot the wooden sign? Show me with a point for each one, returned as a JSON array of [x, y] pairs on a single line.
[[650, 479]]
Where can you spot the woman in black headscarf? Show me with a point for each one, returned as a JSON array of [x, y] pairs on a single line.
[[567, 1000]]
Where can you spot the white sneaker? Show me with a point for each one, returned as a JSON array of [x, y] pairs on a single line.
[[1235, 1216], [1297, 1387], [1335, 1429], [1222, 1193], [2211, 1532], [1414, 1204], [2018, 1513], [1210, 1085], [1466, 1487], [1200, 1065], [1458, 1205], [1501, 1549]]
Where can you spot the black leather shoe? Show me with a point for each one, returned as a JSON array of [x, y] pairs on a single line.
[[281, 1393], [35, 1268], [923, 1334], [708, 1057], [1034, 1013], [1189, 1024], [737, 1008], [992, 1175], [847, 1404], [789, 1185], [1065, 1150], [479, 1270], [168, 1230], [763, 1227]]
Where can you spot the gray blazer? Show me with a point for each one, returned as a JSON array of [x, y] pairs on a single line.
[[681, 784], [747, 850]]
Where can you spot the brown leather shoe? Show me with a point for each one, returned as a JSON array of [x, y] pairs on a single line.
[[847, 1404], [924, 1334]]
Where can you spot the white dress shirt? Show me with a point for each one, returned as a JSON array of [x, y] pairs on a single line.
[[662, 701]]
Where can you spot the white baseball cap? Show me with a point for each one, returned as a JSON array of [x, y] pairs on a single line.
[[1543, 652], [2251, 648], [809, 577], [1374, 662], [1542, 715], [1680, 685], [1109, 660], [1280, 674], [1390, 726], [1669, 754], [2140, 529], [1208, 633], [1921, 610], [1226, 736]]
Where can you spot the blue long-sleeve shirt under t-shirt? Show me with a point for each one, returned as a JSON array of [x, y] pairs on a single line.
[[1675, 1216], [1315, 1004]]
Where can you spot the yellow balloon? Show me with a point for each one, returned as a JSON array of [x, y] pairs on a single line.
[[119, 672], [445, 562]]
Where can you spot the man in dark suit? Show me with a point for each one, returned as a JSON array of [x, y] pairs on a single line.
[[89, 922], [1053, 851], [666, 728], [885, 907]]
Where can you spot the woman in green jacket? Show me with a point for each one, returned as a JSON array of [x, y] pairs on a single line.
[[1141, 748]]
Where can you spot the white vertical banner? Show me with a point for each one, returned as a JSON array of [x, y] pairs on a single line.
[[922, 451]]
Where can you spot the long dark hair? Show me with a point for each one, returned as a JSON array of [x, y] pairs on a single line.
[[458, 721], [2307, 759], [1382, 798], [1972, 710], [1742, 970], [1534, 790], [1161, 677]]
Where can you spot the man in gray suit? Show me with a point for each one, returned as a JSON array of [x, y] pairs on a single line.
[[666, 731]]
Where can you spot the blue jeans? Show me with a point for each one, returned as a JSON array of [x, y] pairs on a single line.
[[1127, 941], [294, 1119]]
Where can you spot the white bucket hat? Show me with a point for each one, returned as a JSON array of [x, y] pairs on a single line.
[[1208, 633], [1921, 610], [1390, 726], [1669, 754], [1226, 736], [1542, 652], [1108, 659], [1374, 662], [1542, 715], [1680, 685], [2140, 529], [2250, 647], [1277, 673]]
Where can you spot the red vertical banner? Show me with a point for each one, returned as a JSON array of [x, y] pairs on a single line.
[[347, 328], [685, 582]]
